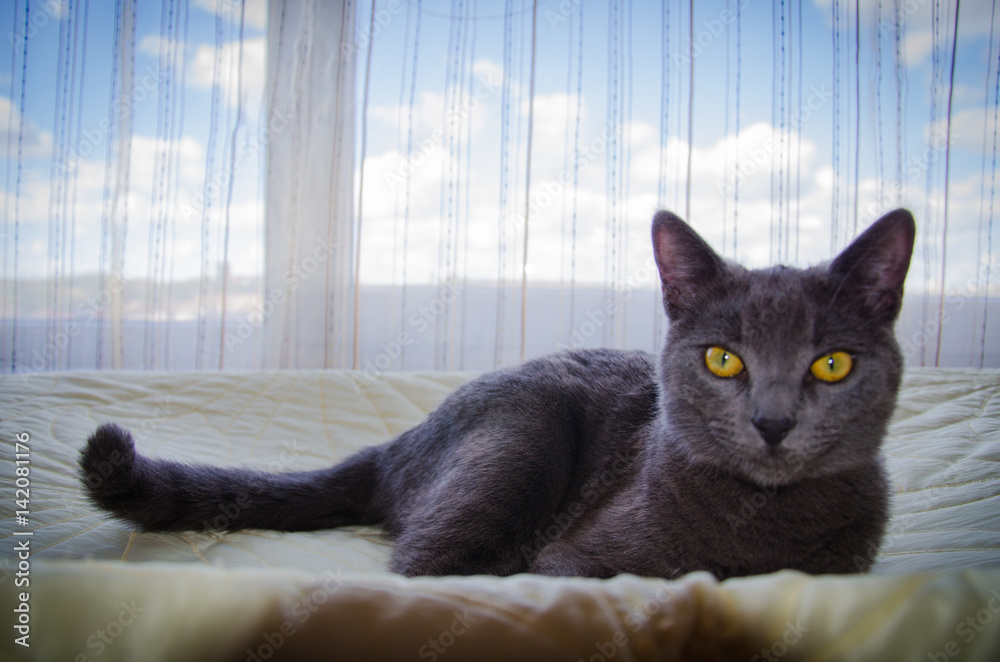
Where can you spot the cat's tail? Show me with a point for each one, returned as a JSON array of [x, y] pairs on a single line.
[[160, 495]]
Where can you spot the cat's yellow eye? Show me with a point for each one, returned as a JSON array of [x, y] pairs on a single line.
[[723, 363], [832, 367]]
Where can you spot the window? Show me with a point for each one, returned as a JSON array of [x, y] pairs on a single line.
[[461, 185]]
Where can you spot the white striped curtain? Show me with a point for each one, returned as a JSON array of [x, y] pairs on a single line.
[[384, 185]]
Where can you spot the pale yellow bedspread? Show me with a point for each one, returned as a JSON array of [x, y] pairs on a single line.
[[100, 591]]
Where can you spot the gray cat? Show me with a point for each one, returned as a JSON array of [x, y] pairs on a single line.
[[751, 445]]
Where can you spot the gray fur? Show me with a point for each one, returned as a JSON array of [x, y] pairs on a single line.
[[601, 462]]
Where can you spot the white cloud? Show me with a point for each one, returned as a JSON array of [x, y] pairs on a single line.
[[762, 151], [974, 22], [552, 199], [182, 208], [917, 47], [34, 142], [201, 70], [966, 128], [489, 71], [255, 12], [151, 44]]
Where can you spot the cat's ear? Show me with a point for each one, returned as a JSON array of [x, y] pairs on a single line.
[[872, 269], [688, 266]]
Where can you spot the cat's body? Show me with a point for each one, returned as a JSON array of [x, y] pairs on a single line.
[[601, 462]]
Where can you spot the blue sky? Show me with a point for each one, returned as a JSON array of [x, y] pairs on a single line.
[[714, 156]]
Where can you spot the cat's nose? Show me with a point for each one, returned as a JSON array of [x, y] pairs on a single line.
[[773, 430]]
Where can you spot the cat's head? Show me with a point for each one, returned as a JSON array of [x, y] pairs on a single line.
[[782, 374]]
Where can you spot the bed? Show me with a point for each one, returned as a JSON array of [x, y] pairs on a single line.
[[100, 591]]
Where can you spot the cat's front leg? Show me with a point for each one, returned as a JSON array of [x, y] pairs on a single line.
[[850, 551], [561, 559]]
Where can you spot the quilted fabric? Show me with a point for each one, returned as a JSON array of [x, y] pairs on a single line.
[[275, 421], [943, 453]]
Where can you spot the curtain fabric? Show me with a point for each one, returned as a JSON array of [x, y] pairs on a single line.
[[307, 310], [385, 185]]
